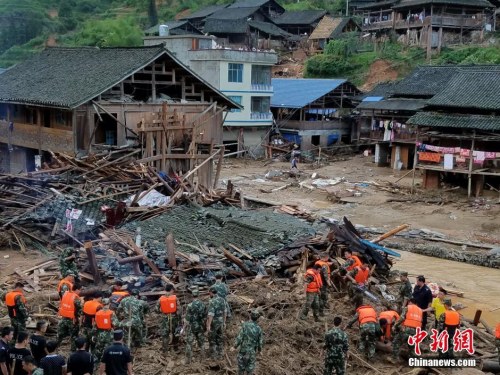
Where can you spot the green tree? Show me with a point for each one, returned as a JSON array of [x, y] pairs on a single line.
[[109, 33]]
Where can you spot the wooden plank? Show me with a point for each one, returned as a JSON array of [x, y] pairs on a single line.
[[169, 242], [238, 262], [94, 269], [242, 252], [173, 156]]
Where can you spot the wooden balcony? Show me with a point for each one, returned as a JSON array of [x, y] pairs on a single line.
[[447, 21], [378, 25], [316, 125], [33, 136]]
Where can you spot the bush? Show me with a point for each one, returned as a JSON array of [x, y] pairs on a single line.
[[122, 32]]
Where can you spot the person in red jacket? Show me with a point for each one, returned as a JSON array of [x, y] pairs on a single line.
[[312, 286]]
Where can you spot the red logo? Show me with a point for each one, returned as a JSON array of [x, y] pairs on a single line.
[[417, 339], [462, 340]]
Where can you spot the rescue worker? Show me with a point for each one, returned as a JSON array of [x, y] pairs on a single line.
[[117, 294], [16, 308], [410, 319], [312, 286], [104, 322], [70, 310], [250, 342], [222, 291], [67, 262], [369, 328], [216, 323], [497, 340], [194, 325], [336, 347], [352, 261], [387, 319], [405, 291], [90, 308], [325, 279], [66, 284], [131, 312], [449, 321], [359, 282], [167, 306]]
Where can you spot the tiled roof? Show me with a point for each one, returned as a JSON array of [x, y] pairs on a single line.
[[395, 104], [329, 27], [424, 81], [378, 5], [382, 89], [270, 29], [437, 120], [469, 3], [175, 28], [471, 89], [254, 3], [300, 17], [233, 13], [205, 12], [215, 26], [69, 77]]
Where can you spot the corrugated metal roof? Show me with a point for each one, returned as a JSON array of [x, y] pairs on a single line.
[[439, 120], [297, 93]]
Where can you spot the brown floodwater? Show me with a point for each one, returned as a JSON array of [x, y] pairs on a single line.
[[480, 285]]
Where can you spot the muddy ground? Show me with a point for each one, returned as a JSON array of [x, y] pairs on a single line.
[[293, 346]]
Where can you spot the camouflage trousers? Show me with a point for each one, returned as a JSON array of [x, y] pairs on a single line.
[[69, 267], [368, 338], [334, 362], [89, 334], [18, 325], [103, 339], [323, 299], [68, 327], [312, 301], [194, 334], [401, 339], [356, 295], [246, 363], [497, 344], [216, 339], [169, 325]]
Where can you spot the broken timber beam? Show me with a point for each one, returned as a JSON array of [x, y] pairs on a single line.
[[170, 243], [94, 269], [238, 262], [391, 233]]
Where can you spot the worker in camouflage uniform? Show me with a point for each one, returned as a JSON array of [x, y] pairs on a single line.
[[369, 329], [406, 326], [312, 285], [216, 324], [70, 310], [16, 307], [250, 342], [194, 325], [67, 262], [405, 291], [359, 278], [497, 340], [167, 306], [222, 291], [105, 321], [327, 282], [131, 312], [336, 347]]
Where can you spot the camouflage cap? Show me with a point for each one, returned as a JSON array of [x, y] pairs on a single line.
[[195, 291], [105, 301], [135, 292], [447, 302], [254, 314], [404, 273]]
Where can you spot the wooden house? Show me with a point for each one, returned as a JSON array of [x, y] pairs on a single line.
[[75, 100], [300, 22], [331, 28], [182, 27], [197, 18]]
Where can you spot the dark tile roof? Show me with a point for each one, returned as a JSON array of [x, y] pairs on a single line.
[[269, 29], [382, 89], [70, 77], [437, 120], [233, 13], [468, 3], [301, 17], [411, 105], [215, 26], [254, 3], [175, 28], [387, 4], [205, 12], [478, 89], [429, 80]]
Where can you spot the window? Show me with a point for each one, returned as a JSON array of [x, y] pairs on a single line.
[[236, 99], [261, 75], [235, 73], [261, 104]]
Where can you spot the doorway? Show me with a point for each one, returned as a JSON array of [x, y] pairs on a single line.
[[106, 130], [315, 140]]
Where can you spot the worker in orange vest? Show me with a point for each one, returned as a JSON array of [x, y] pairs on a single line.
[[411, 318], [105, 319], [352, 261], [16, 307], [449, 321], [168, 307], [90, 308], [387, 319], [497, 340], [359, 282], [312, 286], [369, 329], [325, 279], [118, 293], [70, 311], [66, 285]]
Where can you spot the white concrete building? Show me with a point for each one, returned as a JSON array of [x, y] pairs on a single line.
[[244, 76]]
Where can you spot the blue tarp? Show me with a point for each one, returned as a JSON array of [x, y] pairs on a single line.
[[380, 248], [298, 92], [373, 99], [292, 137]]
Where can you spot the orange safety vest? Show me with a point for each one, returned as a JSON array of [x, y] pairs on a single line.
[[366, 314], [10, 301], [67, 306], [451, 318], [497, 331], [413, 316], [64, 281], [322, 264], [90, 308], [168, 304], [316, 284], [390, 316], [362, 275], [357, 263], [117, 296], [103, 319]]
